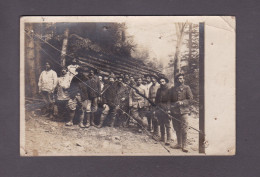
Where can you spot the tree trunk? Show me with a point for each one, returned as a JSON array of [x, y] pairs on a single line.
[[177, 60], [31, 84], [64, 48]]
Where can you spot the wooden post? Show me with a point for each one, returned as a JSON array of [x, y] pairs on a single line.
[[64, 47]]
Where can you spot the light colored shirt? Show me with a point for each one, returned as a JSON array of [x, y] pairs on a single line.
[[63, 85], [135, 99], [72, 71], [47, 81]]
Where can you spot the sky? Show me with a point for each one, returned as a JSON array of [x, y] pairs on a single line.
[[157, 36]]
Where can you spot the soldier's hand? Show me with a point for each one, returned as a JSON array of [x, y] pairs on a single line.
[[123, 99], [104, 105]]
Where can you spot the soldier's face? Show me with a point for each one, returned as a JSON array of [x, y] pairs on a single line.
[[162, 82], [148, 79], [63, 72], [126, 76], [91, 72], [139, 81], [100, 78], [181, 79], [154, 80], [120, 79], [47, 66]]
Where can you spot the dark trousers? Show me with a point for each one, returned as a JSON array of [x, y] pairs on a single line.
[[181, 127], [49, 102], [165, 124]]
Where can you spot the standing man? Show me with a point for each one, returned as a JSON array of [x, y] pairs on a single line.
[[147, 84], [47, 83], [93, 93], [111, 102], [137, 103], [72, 68], [180, 98], [162, 101], [152, 95], [63, 85]]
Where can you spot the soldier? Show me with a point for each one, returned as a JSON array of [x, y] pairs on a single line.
[[47, 84], [137, 103], [94, 92], [111, 101], [63, 96], [180, 96], [152, 94], [72, 68], [147, 84], [162, 100], [78, 85]]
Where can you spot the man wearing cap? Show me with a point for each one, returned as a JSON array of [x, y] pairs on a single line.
[[152, 94], [180, 96], [137, 102], [47, 83], [94, 92], [147, 84], [111, 101], [162, 101]]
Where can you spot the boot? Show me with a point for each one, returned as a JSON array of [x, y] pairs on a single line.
[[156, 130], [88, 120], [102, 118], [169, 137], [92, 118], [162, 134], [81, 118]]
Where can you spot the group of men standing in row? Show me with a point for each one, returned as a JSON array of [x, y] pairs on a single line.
[[76, 92]]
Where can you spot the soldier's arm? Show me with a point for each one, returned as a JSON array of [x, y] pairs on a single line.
[[189, 96]]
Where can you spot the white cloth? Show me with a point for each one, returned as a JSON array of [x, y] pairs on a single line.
[[47, 81], [72, 71], [63, 85], [146, 87]]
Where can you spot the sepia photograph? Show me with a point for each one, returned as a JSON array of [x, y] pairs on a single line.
[[127, 86]]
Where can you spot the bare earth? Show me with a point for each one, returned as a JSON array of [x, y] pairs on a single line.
[[45, 137]]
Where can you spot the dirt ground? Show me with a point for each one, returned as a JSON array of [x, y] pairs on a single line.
[[44, 137]]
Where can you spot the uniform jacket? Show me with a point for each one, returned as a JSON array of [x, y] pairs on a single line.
[[180, 93], [78, 85], [113, 93], [135, 99], [95, 89], [162, 98]]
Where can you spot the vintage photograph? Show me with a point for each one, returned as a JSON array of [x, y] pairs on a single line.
[[112, 86]]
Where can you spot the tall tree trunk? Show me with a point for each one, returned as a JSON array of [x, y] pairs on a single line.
[[64, 47], [190, 45], [177, 60], [31, 84]]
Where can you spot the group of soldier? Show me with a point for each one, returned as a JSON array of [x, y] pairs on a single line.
[[98, 100]]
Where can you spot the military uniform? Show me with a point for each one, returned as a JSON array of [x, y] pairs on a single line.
[[162, 100], [152, 95], [137, 104], [181, 112]]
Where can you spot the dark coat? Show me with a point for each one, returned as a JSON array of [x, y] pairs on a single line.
[[162, 98], [95, 87], [77, 85], [180, 93], [112, 95]]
